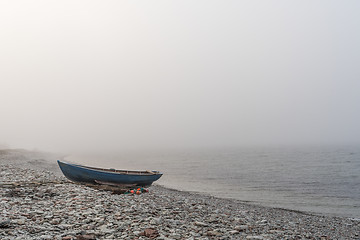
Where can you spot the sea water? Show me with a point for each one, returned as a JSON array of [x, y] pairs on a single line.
[[321, 180]]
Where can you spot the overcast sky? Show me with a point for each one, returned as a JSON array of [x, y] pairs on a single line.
[[167, 74]]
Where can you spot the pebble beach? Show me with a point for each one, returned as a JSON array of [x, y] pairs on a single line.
[[38, 202]]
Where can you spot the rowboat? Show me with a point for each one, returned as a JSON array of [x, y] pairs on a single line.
[[93, 175]]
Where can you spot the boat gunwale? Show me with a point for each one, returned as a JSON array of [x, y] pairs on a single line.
[[115, 171]]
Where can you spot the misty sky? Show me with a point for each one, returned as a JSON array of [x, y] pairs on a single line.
[[167, 74]]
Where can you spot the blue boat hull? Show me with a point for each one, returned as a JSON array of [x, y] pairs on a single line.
[[83, 174]]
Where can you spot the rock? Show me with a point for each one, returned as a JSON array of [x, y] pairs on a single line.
[[68, 238], [136, 233], [242, 228], [200, 224], [255, 237], [150, 233], [86, 237], [64, 226], [103, 228], [5, 223], [55, 221], [105, 231], [175, 236], [161, 237], [156, 221], [213, 233], [21, 221], [212, 220], [46, 237]]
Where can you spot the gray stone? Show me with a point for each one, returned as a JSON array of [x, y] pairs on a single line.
[[137, 233], [46, 237], [175, 236], [200, 224], [255, 237], [21, 221], [213, 233], [242, 228], [5, 223]]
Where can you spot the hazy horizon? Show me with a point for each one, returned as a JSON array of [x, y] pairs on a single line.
[[114, 75]]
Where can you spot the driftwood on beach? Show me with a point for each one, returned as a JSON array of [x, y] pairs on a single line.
[[114, 189], [28, 184]]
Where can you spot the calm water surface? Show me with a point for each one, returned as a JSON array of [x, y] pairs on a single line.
[[320, 180]]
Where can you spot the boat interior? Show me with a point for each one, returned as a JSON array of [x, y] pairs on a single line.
[[147, 172]]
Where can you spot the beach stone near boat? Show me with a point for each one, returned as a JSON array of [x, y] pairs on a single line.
[[150, 233], [86, 237], [200, 224], [137, 233], [5, 223], [255, 237], [175, 236], [21, 221], [68, 238], [242, 228], [213, 233], [46, 237], [162, 237]]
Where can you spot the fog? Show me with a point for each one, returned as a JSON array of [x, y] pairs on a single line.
[[116, 75]]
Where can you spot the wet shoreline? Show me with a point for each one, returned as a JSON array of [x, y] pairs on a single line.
[[59, 209]]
